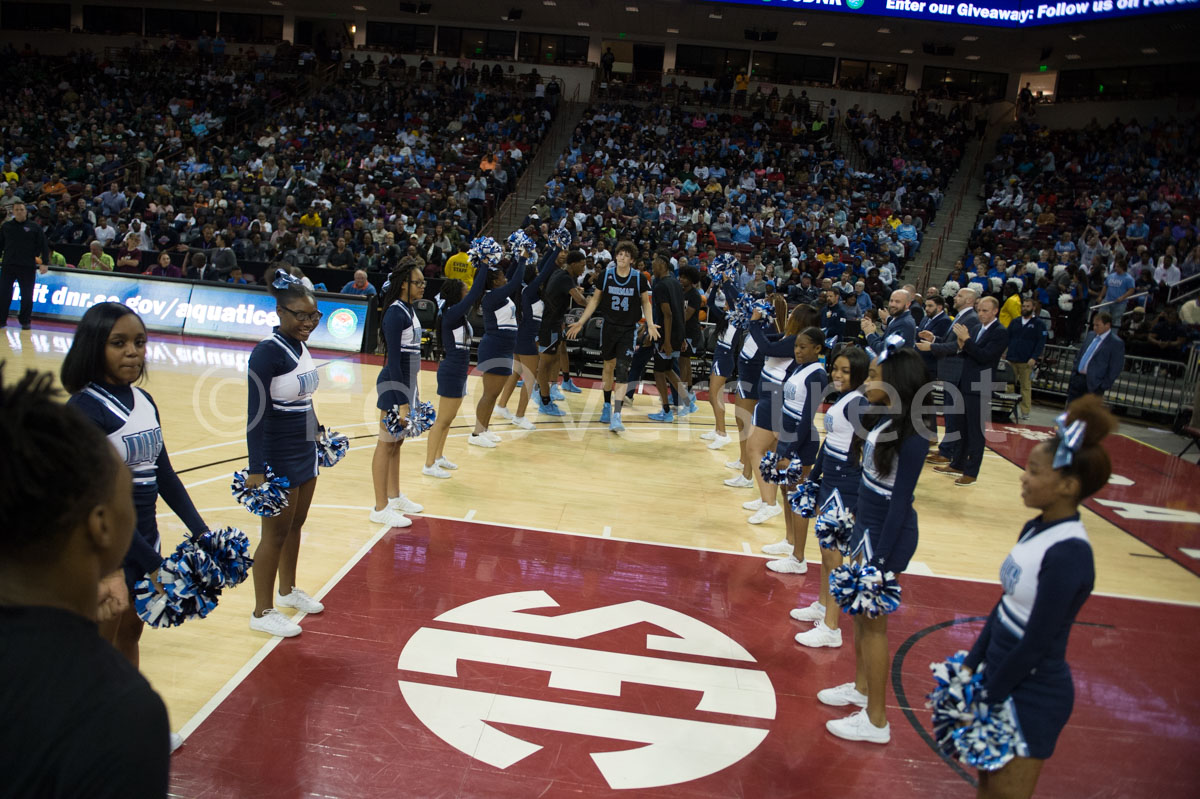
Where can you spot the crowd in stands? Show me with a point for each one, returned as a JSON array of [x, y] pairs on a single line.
[[1099, 216], [142, 158]]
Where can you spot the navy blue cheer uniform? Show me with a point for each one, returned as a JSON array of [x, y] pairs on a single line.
[[885, 502], [835, 467], [397, 381], [456, 344], [719, 299], [802, 391], [1047, 577], [532, 306], [777, 357], [282, 429], [500, 323], [749, 367], [129, 418]]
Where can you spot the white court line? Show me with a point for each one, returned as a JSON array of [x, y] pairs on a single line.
[[917, 567], [470, 515], [746, 550], [606, 532], [233, 682], [1191, 553]]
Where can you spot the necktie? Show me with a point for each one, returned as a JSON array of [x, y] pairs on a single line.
[[1087, 355], [979, 335]]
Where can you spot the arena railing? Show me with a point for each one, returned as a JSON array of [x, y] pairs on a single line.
[[1150, 386]]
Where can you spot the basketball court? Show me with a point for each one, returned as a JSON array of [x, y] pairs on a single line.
[[578, 612]]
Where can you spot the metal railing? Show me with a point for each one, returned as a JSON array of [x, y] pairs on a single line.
[[1147, 385], [1184, 289]]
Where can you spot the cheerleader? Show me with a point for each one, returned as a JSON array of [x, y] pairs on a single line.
[[885, 527], [749, 367], [396, 387], [720, 298], [107, 357], [835, 470], [526, 348], [766, 420], [281, 433], [1047, 577], [452, 371], [496, 348], [803, 389]]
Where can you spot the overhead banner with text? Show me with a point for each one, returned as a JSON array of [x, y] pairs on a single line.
[[1001, 13]]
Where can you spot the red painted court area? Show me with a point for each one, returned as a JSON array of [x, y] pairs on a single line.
[[1153, 495], [675, 675]]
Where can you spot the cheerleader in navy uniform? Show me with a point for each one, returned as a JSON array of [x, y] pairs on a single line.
[[836, 470], [802, 392], [749, 367], [452, 371], [885, 526], [107, 357], [721, 297], [526, 348], [495, 355], [396, 387], [1047, 577], [281, 433]]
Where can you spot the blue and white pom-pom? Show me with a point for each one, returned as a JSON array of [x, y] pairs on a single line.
[[771, 473], [804, 499], [268, 499], [191, 585], [331, 447], [861, 588], [421, 417], [523, 247], [228, 548], [484, 250], [834, 523], [965, 725], [725, 268], [560, 237]]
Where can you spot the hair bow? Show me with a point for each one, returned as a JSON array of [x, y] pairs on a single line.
[[283, 279], [1070, 440], [891, 345]]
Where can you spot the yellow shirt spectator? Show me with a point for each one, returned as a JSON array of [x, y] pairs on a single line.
[[311, 219], [1011, 309], [742, 82], [96, 262], [458, 267]]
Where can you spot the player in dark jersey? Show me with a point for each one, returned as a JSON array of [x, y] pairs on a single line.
[[668, 315], [622, 298], [693, 338], [556, 296]]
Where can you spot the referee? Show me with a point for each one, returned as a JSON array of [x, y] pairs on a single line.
[[22, 241]]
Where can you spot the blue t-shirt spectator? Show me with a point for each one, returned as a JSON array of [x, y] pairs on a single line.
[[360, 289]]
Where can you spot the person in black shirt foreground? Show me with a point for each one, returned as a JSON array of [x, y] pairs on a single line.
[[667, 297], [22, 241], [78, 718]]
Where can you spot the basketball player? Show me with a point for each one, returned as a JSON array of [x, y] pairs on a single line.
[[556, 297]]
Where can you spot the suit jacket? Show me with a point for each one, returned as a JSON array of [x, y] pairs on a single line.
[[938, 328], [980, 358], [902, 325], [1105, 366], [945, 349]]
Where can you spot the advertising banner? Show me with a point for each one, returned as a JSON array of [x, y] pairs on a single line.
[[202, 309]]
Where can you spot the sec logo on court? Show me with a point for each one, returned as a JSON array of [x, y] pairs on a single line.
[[666, 749]]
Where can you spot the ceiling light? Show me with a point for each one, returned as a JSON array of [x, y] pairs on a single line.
[[1149, 51], [276, 3], [1072, 56], [715, 15], [672, 30], [884, 30], [549, 3], [799, 23], [359, 8], [907, 51], [969, 38], [584, 24], [631, 9], [972, 58], [828, 44], [1077, 36]]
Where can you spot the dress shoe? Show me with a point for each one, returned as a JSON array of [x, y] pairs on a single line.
[[947, 470], [936, 458], [965, 480]]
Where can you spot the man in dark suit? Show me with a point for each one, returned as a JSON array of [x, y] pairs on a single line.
[[981, 355], [1099, 361], [936, 322], [900, 323], [949, 369]]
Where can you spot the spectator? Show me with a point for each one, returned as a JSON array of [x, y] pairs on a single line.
[[1099, 360], [129, 257], [164, 267], [96, 259], [359, 286]]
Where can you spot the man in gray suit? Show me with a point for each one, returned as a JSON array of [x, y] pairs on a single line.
[[1099, 360], [900, 323], [949, 371]]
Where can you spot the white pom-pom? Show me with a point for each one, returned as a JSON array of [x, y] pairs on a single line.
[[951, 288], [995, 283], [1065, 303]]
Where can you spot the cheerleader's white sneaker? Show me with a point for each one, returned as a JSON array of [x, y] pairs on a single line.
[[435, 471], [274, 623], [299, 600], [718, 442], [504, 413], [735, 465], [481, 440], [783, 547], [858, 727], [814, 612], [753, 504], [523, 423], [789, 565], [765, 513], [819, 636], [445, 464], [391, 517], [737, 481], [493, 437], [404, 505], [709, 436], [842, 695]]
